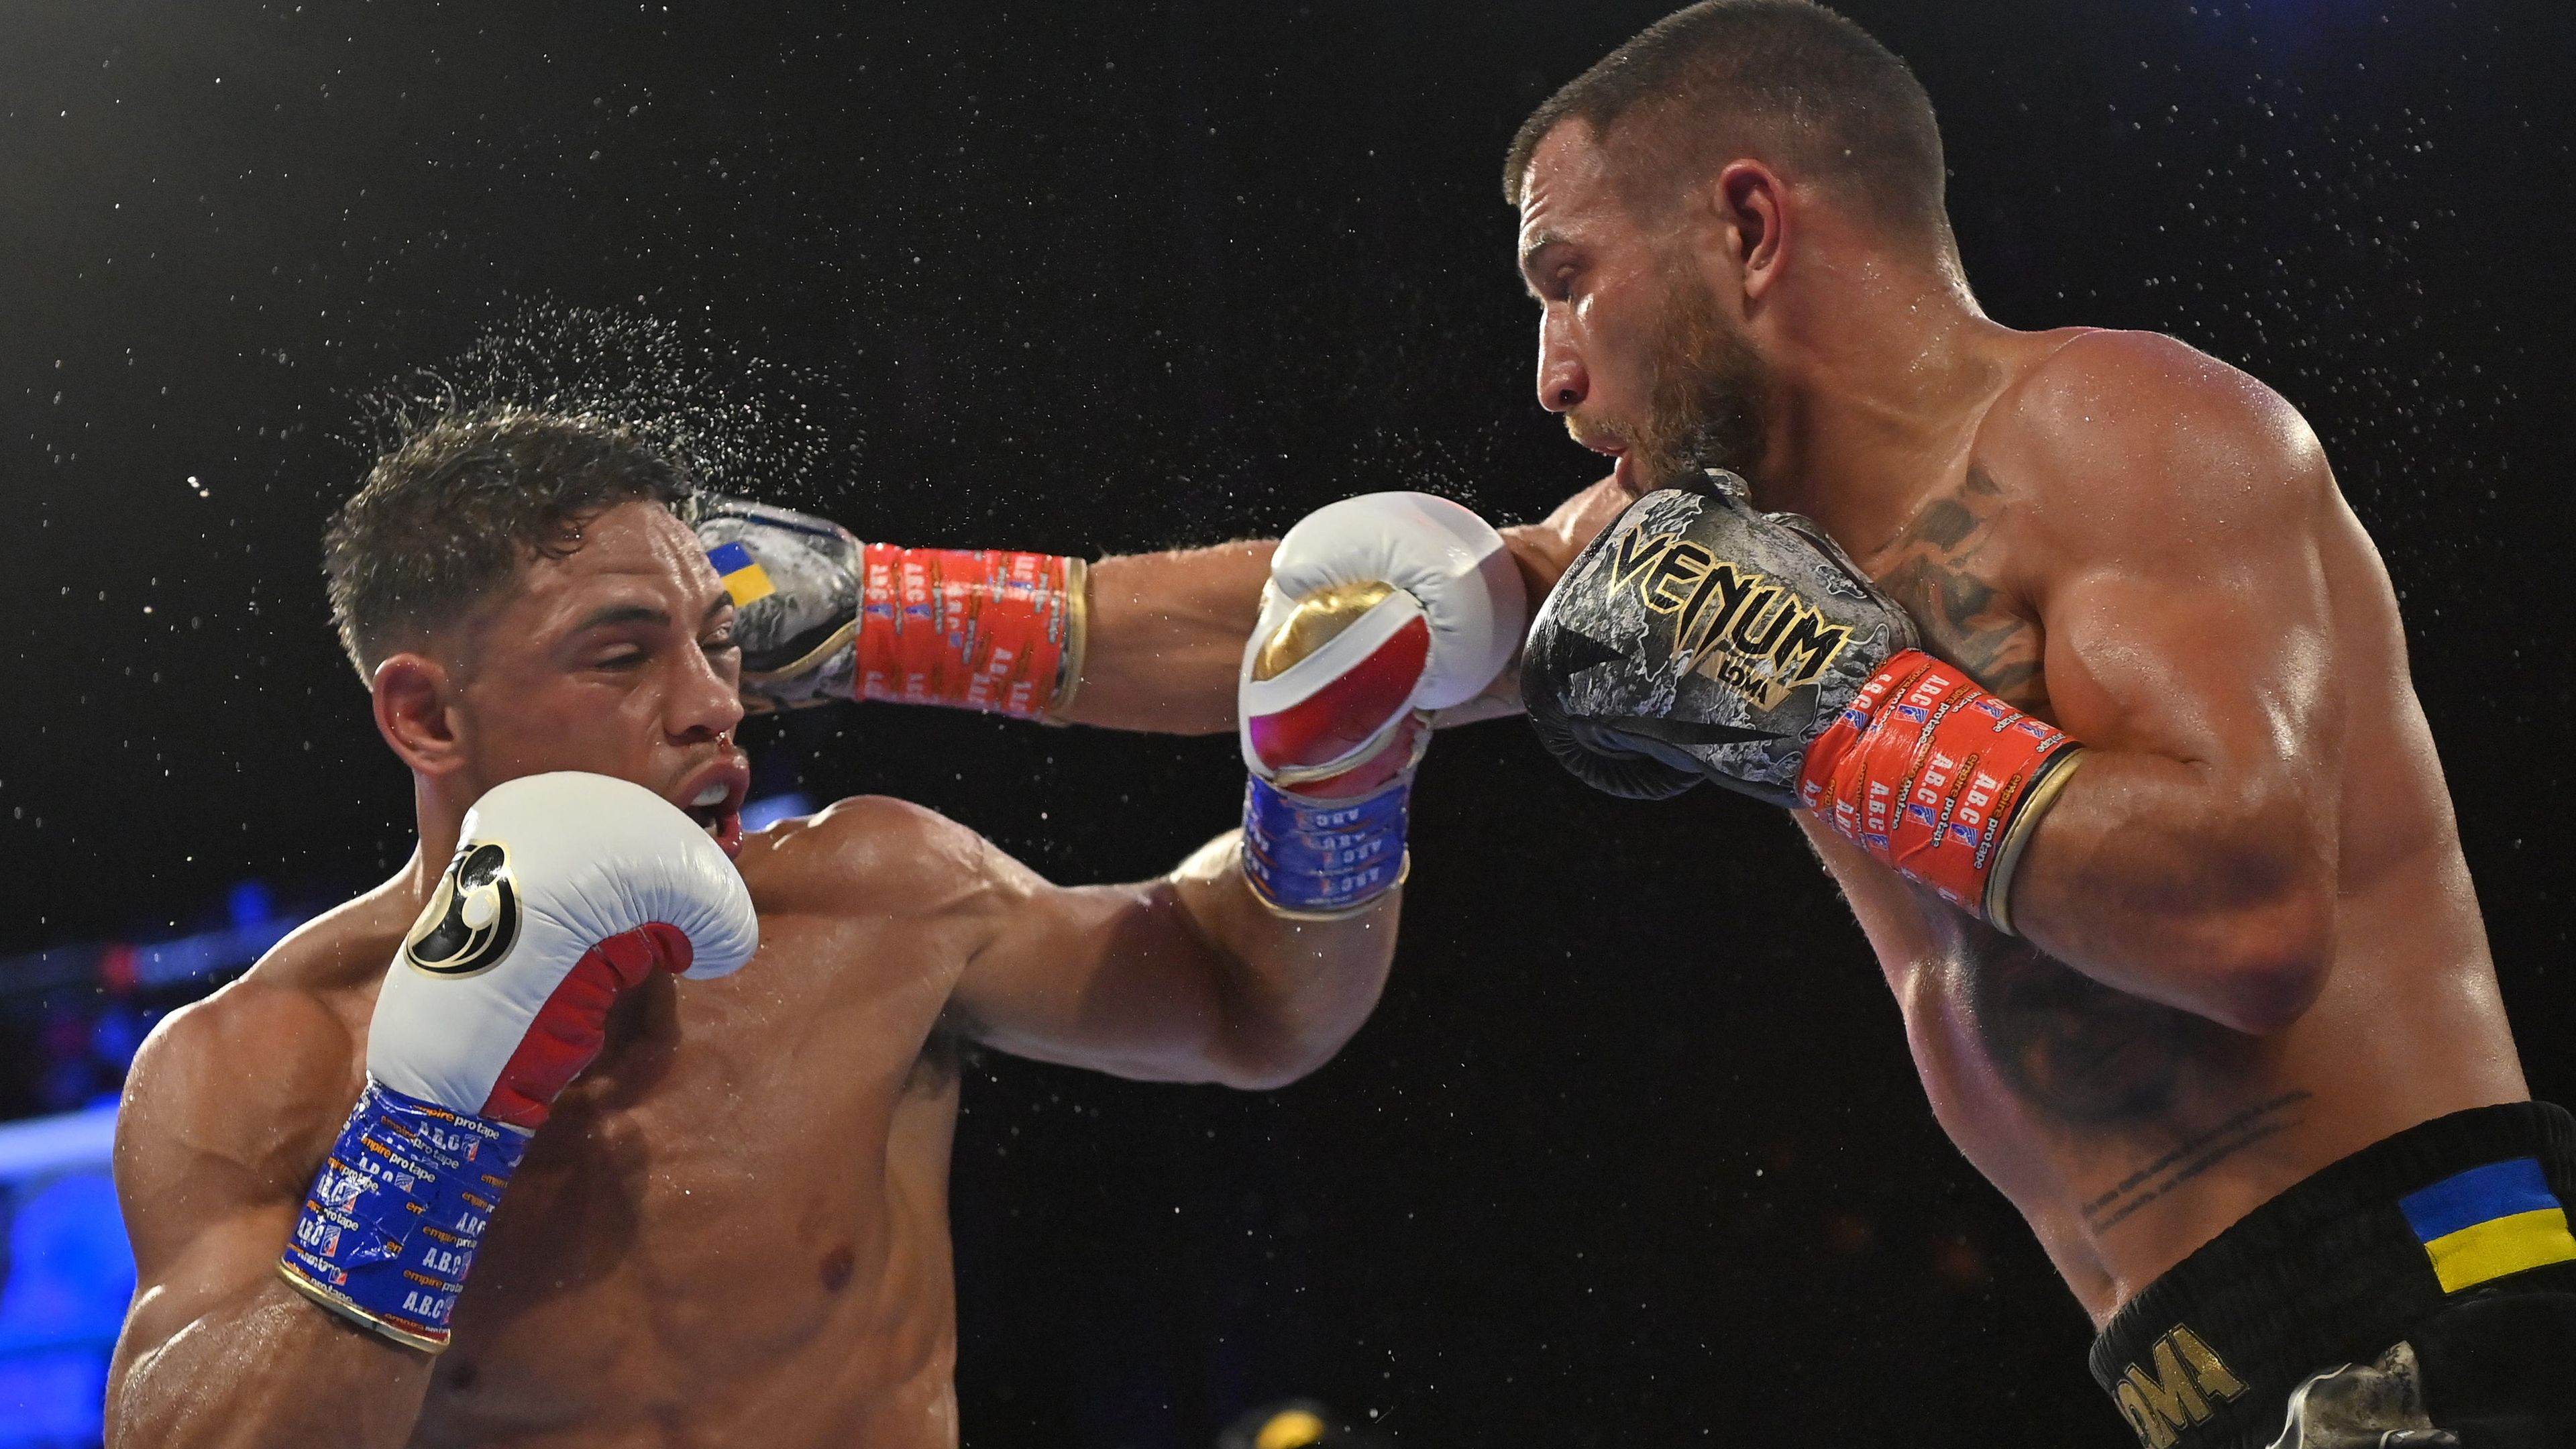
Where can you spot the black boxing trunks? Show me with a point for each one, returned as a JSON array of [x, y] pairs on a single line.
[[2420, 1292]]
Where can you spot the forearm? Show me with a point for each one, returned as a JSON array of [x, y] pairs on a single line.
[[268, 1368], [1165, 638], [2150, 876], [1291, 991], [1166, 630]]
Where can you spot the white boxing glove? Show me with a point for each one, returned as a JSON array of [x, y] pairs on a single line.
[[1377, 606], [566, 891], [1378, 610]]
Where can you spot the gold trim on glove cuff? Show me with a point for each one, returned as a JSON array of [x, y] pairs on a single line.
[[357, 1315], [1077, 638], [2025, 824], [813, 658]]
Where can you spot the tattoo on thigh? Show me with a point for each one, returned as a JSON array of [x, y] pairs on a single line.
[[1935, 570]]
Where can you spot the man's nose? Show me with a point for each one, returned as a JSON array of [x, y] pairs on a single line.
[[1562, 382], [706, 703]]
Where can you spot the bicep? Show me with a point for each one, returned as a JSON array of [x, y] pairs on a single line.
[[2227, 666], [2189, 643], [210, 1267]]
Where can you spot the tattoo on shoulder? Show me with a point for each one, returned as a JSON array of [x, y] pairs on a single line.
[[1940, 570], [2191, 1157]]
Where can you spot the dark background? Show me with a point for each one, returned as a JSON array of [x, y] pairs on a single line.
[[1633, 1152]]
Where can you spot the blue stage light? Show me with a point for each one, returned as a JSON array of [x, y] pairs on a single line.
[[68, 1277], [761, 814]]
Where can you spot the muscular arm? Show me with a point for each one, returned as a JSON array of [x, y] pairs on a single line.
[[1185, 979], [2180, 515], [1165, 637], [1167, 629], [230, 1107]]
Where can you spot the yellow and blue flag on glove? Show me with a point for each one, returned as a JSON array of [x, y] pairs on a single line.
[[743, 576]]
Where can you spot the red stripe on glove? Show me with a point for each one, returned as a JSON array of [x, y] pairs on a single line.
[[1340, 717], [573, 1024]]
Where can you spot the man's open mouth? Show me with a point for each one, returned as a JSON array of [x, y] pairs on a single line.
[[717, 808]]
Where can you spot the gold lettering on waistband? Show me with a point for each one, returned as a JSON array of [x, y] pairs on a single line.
[[2214, 1377], [2161, 1405]]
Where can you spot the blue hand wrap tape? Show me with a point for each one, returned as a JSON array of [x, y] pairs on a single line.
[[1323, 855], [392, 1220]]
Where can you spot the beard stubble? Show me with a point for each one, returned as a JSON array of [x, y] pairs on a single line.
[[1706, 394]]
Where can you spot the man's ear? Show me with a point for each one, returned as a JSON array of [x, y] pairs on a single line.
[[415, 699], [1752, 213]]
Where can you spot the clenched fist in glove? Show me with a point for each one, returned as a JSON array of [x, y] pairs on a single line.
[[566, 891], [1696, 638], [825, 617], [1379, 609]]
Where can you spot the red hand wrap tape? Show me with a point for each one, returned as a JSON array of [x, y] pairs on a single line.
[[978, 629], [1926, 772]]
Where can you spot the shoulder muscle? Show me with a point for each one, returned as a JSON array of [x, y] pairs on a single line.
[[2132, 442], [871, 854], [230, 1102]]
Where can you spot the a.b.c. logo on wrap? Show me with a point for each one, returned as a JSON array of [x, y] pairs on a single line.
[[472, 919]]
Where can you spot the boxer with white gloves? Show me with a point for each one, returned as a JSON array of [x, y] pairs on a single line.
[[1379, 610], [568, 890], [732, 1224]]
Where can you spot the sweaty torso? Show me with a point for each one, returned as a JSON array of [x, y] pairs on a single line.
[[734, 1227], [2128, 1132]]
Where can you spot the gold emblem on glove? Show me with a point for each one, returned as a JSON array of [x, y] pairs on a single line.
[[1318, 619], [1732, 624]]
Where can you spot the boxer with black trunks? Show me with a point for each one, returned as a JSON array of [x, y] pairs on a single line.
[[2091, 693], [579, 1200], [2079, 675]]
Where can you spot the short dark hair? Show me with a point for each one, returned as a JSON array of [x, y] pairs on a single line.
[[459, 500], [1817, 88]]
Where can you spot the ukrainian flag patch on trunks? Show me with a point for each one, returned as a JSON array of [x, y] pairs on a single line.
[[2489, 1221], [743, 576]]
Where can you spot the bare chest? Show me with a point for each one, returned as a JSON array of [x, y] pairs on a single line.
[[2051, 1082], [752, 1176], [1951, 567]]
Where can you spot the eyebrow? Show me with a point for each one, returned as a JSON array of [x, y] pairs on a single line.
[[1530, 253], [623, 614], [616, 614]]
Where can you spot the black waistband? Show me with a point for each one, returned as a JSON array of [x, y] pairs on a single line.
[[2328, 1273]]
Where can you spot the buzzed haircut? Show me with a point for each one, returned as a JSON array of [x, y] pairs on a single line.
[[459, 501], [1725, 78]]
